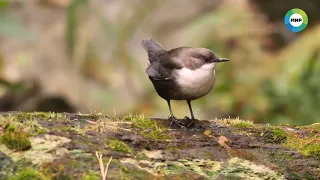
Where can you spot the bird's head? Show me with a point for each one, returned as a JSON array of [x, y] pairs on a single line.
[[194, 58], [206, 56]]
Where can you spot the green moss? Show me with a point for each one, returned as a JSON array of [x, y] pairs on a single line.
[[52, 169], [279, 135], [275, 135], [311, 150], [243, 124], [173, 168], [64, 128], [315, 126], [29, 117], [147, 128], [14, 123], [17, 140], [42, 131], [28, 174], [119, 146], [33, 115], [91, 176], [173, 149], [74, 164], [123, 168], [40, 115], [77, 130], [298, 176], [10, 127], [309, 144], [62, 177]]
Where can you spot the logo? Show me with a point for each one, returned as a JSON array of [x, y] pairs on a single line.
[[296, 20]]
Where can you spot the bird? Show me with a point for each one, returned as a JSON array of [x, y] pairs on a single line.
[[183, 73]]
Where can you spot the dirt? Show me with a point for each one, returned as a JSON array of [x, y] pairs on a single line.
[[215, 149]]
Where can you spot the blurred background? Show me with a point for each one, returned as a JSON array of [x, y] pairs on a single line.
[[85, 55]]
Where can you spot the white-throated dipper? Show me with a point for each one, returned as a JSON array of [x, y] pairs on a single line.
[[183, 73]]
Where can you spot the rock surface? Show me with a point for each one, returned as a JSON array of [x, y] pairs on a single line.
[[63, 146]]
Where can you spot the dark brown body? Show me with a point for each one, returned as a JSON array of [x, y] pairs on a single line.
[[166, 89]]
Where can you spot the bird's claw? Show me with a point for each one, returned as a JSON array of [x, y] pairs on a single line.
[[173, 119], [191, 120], [188, 122]]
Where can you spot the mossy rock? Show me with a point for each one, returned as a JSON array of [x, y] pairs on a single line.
[[119, 146], [28, 174], [311, 150], [16, 140], [91, 176], [148, 128], [173, 153], [275, 135]]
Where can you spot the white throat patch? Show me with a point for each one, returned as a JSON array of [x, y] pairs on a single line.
[[196, 82]]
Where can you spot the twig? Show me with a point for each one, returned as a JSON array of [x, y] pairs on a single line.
[[91, 122], [104, 171], [107, 167]]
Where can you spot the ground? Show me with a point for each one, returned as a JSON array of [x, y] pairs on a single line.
[[63, 146]]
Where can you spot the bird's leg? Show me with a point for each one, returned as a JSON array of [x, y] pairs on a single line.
[[173, 119], [190, 108], [192, 116]]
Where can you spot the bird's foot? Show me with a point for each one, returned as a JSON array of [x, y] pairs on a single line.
[[191, 121], [174, 120]]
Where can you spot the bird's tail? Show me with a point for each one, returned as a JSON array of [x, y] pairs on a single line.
[[154, 49], [151, 46]]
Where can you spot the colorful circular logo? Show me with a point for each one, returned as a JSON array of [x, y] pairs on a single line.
[[296, 20]]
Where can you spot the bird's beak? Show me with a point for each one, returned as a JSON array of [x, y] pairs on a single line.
[[222, 60]]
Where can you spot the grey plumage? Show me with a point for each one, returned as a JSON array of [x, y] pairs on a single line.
[[159, 67]]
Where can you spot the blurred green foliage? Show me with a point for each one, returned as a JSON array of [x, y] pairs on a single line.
[[294, 95], [275, 87]]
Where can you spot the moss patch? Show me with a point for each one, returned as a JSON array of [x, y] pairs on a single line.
[[308, 143], [41, 116], [28, 174], [52, 169], [279, 135], [16, 140], [119, 146], [311, 150], [91, 176], [243, 124], [14, 123], [275, 135], [147, 128]]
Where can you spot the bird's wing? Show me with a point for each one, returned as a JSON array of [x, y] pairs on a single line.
[[162, 68], [153, 72]]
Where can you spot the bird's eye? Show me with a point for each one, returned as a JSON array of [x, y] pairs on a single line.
[[206, 58]]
